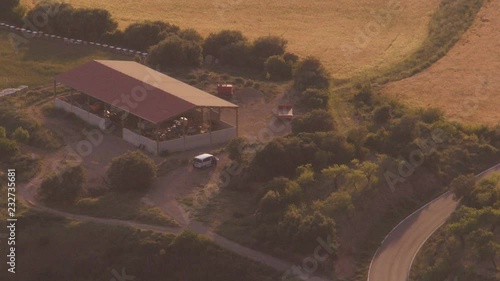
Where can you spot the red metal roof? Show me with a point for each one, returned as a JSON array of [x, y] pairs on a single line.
[[138, 89]]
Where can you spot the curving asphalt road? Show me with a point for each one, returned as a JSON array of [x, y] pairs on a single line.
[[394, 257]]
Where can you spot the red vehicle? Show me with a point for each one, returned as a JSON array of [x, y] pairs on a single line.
[[225, 91]]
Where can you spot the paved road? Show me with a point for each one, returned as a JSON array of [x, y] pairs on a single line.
[[393, 259]]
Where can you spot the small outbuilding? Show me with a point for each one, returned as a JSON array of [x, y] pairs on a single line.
[[147, 108]]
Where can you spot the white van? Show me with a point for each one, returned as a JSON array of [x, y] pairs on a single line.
[[204, 160]]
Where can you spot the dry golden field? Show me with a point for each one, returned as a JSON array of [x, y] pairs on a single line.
[[466, 82], [349, 36]]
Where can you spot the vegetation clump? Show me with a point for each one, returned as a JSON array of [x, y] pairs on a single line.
[[133, 171], [63, 188]]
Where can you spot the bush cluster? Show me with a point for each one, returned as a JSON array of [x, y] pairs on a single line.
[[133, 171], [68, 21], [63, 188]]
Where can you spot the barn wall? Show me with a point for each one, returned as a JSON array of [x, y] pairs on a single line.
[[86, 116], [137, 139], [172, 145], [223, 136]]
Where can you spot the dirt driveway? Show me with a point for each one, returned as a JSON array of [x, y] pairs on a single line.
[[199, 184]]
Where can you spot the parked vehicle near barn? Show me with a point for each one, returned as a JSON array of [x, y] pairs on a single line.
[[204, 160]]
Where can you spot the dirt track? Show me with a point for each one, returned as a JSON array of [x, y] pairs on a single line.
[[26, 195]]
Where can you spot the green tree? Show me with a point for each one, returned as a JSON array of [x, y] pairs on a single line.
[[142, 35], [21, 135], [266, 46], [191, 34], [3, 133], [368, 169], [300, 229], [237, 54], [485, 245], [364, 94], [310, 73], [338, 203], [63, 188], [174, 51], [382, 114], [405, 130], [335, 174], [293, 193], [8, 10], [276, 68], [271, 202], [305, 175], [65, 20], [236, 148], [486, 192], [314, 99], [132, 171], [215, 42], [315, 121], [462, 186], [8, 149]]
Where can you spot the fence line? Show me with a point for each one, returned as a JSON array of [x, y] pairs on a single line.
[[42, 35]]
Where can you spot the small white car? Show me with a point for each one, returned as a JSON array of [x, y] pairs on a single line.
[[204, 160]]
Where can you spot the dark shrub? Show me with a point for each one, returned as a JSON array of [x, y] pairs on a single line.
[[11, 11], [63, 188], [302, 230], [290, 58], [405, 130], [314, 98], [382, 114], [364, 94], [431, 115], [67, 21], [280, 157], [267, 46], [131, 171], [237, 54], [315, 121], [174, 51], [3, 133], [141, 36], [8, 149], [277, 68], [215, 42], [310, 73], [191, 34], [235, 149], [21, 135]]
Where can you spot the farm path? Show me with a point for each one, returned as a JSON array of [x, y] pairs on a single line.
[[27, 192]]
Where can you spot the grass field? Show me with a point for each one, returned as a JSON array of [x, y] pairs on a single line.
[[350, 36], [36, 62], [465, 82]]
